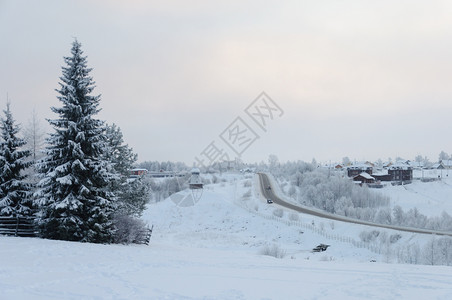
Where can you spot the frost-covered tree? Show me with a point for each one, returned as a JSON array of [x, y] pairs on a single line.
[[120, 154], [379, 163], [156, 166], [419, 159], [273, 161], [445, 249], [132, 194], [443, 156], [297, 179], [75, 198], [430, 252], [34, 136], [15, 195], [346, 161], [384, 216], [427, 163], [399, 215]]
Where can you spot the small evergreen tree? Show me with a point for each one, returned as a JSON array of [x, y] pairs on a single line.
[[120, 154], [15, 195], [75, 200], [133, 193]]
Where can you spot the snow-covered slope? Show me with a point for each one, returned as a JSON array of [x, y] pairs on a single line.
[[221, 220], [213, 250], [42, 269], [431, 198]]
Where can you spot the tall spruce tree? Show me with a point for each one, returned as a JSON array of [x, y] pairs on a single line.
[[75, 199], [15, 193]]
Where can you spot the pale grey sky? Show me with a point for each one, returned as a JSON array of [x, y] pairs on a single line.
[[364, 79]]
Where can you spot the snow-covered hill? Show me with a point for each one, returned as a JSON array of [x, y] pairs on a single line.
[[214, 250], [431, 198], [224, 219], [42, 269]]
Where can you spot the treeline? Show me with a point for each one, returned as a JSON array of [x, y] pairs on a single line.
[[157, 166], [333, 193], [436, 251], [163, 188]]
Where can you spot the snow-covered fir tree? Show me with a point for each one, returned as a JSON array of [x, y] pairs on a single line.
[[15, 193], [76, 202], [133, 196], [133, 193], [120, 154]]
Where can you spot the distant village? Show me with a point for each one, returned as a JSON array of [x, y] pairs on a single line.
[[398, 173], [374, 175]]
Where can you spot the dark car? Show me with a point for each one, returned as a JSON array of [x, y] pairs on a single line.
[[269, 201]]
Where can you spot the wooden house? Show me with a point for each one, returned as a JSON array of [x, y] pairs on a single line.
[[137, 172], [364, 178], [447, 163], [401, 172], [357, 169]]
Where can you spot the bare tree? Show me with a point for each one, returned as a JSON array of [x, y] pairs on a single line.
[[419, 159], [443, 156], [430, 252], [346, 161], [273, 161], [426, 162], [34, 136]]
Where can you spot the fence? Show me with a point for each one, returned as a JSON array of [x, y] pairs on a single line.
[[375, 248], [17, 226]]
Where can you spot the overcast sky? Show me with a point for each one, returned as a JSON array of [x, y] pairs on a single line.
[[363, 79]]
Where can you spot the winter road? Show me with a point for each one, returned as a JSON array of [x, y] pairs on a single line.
[[268, 191]]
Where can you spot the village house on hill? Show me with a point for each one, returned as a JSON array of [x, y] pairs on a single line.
[[359, 168], [364, 178], [446, 163], [396, 172], [401, 172]]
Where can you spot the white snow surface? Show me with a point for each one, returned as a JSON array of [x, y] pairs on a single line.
[[212, 250], [431, 198]]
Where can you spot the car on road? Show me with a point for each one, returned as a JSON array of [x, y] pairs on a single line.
[[269, 201]]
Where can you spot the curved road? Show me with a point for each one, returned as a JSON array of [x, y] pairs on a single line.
[[269, 193]]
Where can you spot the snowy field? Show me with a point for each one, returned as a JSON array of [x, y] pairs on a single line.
[[40, 269], [431, 198], [214, 250]]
